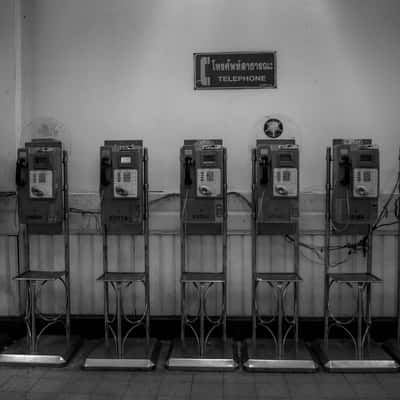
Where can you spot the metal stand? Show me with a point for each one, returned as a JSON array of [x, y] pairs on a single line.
[[37, 348], [359, 353], [279, 353], [203, 352], [123, 352], [393, 346]]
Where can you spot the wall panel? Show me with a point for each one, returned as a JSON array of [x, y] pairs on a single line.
[[274, 254]]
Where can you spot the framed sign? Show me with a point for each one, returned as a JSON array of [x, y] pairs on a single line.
[[235, 70]]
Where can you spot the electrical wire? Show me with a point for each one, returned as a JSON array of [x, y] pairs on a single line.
[[164, 197], [242, 197], [261, 204], [184, 204], [91, 214], [361, 244], [82, 211], [313, 249], [347, 213], [388, 224], [386, 205]]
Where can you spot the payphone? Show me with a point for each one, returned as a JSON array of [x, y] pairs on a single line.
[[275, 211], [392, 346], [124, 210], [42, 192], [351, 208], [39, 180], [355, 185], [121, 186], [203, 211], [203, 181], [276, 186]]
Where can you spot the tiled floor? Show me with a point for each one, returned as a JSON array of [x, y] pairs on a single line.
[[71, 383]]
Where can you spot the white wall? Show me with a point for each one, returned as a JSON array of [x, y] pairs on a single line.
[[123, 69], [7, 93]]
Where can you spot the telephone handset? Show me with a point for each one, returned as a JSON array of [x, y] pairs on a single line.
[[188, 164], [345, 164], [20, 175], [105, 178], [264, 170]]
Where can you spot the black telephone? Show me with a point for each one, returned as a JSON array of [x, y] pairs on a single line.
[[345, 164], [105, 169], [20, 175], [264, 170], [188, 165]]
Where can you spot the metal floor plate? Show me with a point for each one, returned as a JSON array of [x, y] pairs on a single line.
[[392, 347], [339, 356], [220, 356], [262, 357], [137, 356], [52, 351]]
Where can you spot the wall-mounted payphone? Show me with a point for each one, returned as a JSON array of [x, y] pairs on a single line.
[[40, 184], [276, 186], [122, 186], [355, 185], [203, 186]]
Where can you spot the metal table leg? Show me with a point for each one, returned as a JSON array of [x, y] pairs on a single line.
[[279, 353]]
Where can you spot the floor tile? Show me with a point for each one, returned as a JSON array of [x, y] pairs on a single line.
[[121, 376], [12, 395], [392, 389], [178, 389], [264, 377], [174, 397], [99, 396], [239, 377], [369, 390], [387, 378], [304, 390], [208, 390], [81, 385], [198, 396], [361, 378], [45, 385], [19, 384], [29, 372], [72, 396], [146, 377], [330, 378], [300, 378], [111, 388], [144, 389], [177, 377], [272, 390], [40, 396], [336, 391], [239, 390], [208, 377], [130, 396]]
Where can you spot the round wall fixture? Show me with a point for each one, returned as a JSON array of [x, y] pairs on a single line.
[[273, 128]]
